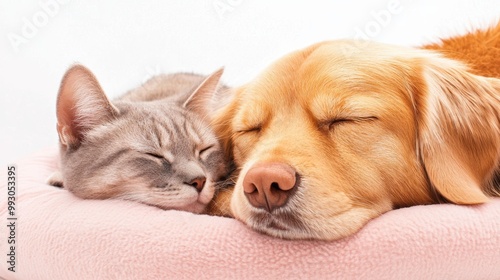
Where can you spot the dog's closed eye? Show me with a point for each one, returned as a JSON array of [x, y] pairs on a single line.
[[331, 124], [249, 129]]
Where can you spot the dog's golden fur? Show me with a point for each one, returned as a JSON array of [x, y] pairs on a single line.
[[368, 127]]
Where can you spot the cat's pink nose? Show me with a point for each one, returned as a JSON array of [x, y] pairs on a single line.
[[198, 183]]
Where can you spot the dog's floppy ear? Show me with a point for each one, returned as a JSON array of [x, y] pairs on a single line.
[[81, 105], [459, 130]]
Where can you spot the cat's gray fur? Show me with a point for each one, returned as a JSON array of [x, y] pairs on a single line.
[[153, 145]]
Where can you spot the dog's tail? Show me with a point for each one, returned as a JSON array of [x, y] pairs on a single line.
[[480, 49]]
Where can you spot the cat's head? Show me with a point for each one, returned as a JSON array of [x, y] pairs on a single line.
[[161, 153]]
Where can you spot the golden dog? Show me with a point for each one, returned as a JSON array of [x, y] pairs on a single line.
[[336, 134]]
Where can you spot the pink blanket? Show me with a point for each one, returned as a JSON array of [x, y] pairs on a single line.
[[59, 236]]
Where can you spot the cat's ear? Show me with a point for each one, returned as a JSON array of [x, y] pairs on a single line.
[[200, 101], [81, 105]]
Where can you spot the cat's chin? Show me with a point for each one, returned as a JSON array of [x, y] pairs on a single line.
[[187, 200], [200, 204], [196, 207]]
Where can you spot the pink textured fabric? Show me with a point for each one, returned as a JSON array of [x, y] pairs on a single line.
[[62, 237]]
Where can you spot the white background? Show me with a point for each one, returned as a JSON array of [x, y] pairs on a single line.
[[126, 42]]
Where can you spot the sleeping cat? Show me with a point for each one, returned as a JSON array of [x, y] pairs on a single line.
[[153, 145]]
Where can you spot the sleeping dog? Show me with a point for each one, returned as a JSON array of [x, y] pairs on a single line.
[[338, 133]]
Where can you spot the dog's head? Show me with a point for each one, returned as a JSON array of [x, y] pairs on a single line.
[[334, 135]]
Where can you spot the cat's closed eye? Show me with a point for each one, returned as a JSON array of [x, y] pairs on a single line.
[[202, 153], [158, 156]]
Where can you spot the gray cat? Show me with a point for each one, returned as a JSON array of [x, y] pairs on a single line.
[[153, 145]]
